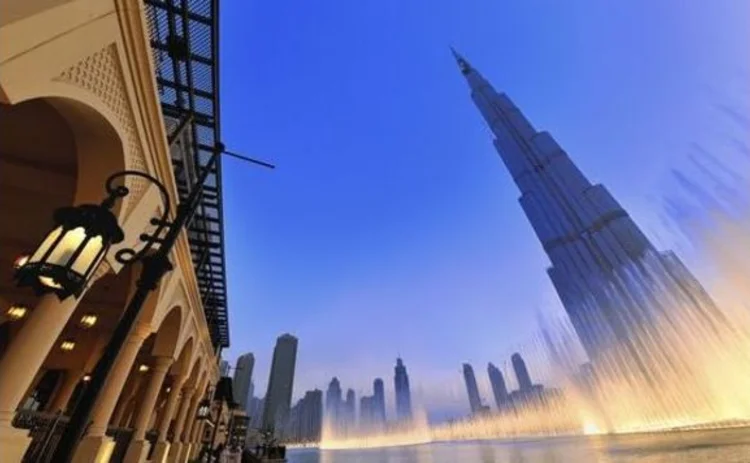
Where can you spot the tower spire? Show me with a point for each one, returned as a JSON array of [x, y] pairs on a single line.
[[463, 65]]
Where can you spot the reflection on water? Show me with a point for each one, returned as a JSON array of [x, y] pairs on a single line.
[[726, 446]]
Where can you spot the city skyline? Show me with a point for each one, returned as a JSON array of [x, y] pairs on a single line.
[[427, 252]]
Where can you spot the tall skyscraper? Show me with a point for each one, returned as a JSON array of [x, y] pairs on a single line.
[[403, 394], [280, 383], [475, 403], [522, 374], [243, 374], [591, 241], [378, 401], [499, 390], [333, 399]]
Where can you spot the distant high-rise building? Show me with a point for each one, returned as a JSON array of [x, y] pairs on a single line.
[[499, 390], [522, 374], [313, 416], [366, 410], [333, 399], [224, 368], [378, 401], [281, 382], [403, 394], [475, 403], [596, 250], [350, 408], [305, 419], [255, 412], [243, 373]]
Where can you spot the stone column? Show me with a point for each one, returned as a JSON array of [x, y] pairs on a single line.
[[197, 439], [60, 401], [95, 446], [138, 448], [176, 448], [22, 360], [128, 392], [190, 422], [161, 449]]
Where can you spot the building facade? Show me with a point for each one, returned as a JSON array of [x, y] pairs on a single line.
[[83, 74], [278, 398]]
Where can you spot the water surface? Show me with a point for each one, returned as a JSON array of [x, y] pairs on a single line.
[[725, 446]]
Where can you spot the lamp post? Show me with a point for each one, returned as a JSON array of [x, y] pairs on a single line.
[[67, 258]]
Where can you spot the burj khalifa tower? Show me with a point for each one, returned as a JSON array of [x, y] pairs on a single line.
[[596, 250]]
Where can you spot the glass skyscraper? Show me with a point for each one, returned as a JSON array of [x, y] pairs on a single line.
[[611, 280]]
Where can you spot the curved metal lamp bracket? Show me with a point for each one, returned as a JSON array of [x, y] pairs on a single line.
[[128, 255]]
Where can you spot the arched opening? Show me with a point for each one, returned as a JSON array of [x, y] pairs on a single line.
[[54, 152], [168, 334], [38, 173]]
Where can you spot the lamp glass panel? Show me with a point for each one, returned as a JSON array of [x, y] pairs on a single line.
[[48, 241], [70, 242], [88, 255]]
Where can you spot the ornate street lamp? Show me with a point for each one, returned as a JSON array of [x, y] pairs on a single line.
[[66, 259]]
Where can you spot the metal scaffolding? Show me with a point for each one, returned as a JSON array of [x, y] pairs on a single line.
[[185, 42]]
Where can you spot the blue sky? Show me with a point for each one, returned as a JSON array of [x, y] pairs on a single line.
[[390, 226]]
